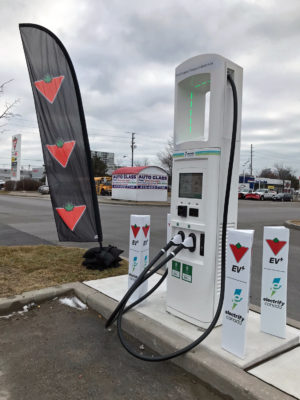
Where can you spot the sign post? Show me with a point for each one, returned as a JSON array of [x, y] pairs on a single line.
[[274, 280], [237, 285], [15, 157], [138, 252]]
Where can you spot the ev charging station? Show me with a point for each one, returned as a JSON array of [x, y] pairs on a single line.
[[208, 90], [202, 141]]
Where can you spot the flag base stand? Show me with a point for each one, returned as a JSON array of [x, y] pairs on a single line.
[[102, 257]]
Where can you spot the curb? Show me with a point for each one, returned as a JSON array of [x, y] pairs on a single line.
[[291, 225], [101, 200], [215, 372]]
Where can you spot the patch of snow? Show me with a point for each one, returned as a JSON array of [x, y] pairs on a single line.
[[26, 308], [73, 302]]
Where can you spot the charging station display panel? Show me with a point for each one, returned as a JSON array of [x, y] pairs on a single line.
[[190, 185], [192, 108]]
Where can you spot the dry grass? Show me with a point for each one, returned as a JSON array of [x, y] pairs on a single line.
[[24, 268]]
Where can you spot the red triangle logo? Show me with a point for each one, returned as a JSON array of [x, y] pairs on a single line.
[[49, 87], [238, 251], [71, 215], [276, 245], [61, 151], [146, 229], [135, 230]]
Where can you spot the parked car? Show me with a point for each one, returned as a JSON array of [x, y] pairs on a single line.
[[44, 189], [261, 194], [283, 197], [252, 196], [243, 193]]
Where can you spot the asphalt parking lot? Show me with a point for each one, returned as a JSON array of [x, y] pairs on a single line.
[[60, 353]]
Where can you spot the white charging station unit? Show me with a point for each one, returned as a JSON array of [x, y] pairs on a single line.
[[202, 139]]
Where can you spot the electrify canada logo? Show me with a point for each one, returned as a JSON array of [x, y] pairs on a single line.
[[237, 298], [236, 318], [238, 251], [271, 302]]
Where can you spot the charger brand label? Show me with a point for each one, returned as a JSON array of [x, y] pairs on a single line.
[[187, 273], [176, 269], [276, 245]]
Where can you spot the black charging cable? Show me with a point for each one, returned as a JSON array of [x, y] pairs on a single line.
[[175, 241], [122, 308]]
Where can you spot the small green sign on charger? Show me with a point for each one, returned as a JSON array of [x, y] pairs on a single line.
[[187, 272], [176, 267]]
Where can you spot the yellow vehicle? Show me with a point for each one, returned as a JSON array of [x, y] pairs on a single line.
[[103, 185]]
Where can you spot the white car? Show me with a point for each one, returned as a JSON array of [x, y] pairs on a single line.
[[266, 194]]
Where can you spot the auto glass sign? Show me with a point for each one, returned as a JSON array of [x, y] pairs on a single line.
[[152, 182], [133, 181], [124, 181]]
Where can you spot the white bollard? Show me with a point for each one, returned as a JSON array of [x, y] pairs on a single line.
[[274, 280], [139, 240], [237, 285]]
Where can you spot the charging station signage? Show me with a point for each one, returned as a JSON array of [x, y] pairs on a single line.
[[139, 237], [274, 280], [237, 286]]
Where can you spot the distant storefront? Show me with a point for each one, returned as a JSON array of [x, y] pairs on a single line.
[[140, 184], [250, 182]]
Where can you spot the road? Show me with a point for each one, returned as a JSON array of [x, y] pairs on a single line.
[[30, 221]]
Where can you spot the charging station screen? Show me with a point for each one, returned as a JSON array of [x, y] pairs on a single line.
[[190, 185]]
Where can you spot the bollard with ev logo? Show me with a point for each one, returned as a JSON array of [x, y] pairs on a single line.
[[274, 280], [139, 239], [237, 285]]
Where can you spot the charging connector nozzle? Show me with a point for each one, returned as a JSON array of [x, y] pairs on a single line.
[[190, 242], [177, 239]]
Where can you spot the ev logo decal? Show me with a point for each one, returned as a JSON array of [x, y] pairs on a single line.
[[236, 298], [276, 245], [276, 286], [146, 229], [238, 251], [135, 230]]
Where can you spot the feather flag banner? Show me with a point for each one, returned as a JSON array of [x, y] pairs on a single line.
[[64, 138]]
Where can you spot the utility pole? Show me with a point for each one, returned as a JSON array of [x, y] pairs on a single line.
[[133, 146], [251, 159]]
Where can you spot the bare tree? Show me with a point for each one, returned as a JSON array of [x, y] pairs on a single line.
[[6, 112], [166, 157], [142, 163]]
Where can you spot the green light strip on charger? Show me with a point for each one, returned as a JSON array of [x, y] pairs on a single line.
[[191, 111], [202, 83]]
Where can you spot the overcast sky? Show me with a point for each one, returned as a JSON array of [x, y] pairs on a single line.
[[125, 54]]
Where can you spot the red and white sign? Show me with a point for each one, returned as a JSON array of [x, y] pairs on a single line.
[[15, 158], [274, 280], [138, 251], [237, 286]]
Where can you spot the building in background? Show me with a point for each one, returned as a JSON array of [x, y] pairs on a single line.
[[254, 183], [107, 158]]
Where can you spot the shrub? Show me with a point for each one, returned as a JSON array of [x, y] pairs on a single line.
[[10, 185], [28, 184]]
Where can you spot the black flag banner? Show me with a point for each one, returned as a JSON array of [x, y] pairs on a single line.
[[63, 134]]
